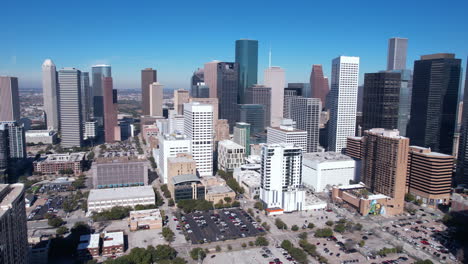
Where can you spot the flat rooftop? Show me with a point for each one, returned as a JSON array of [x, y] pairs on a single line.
[[175, 136], [68, 157], [120, 193], [180, 159], [13, 191], [326, 156], [88, 241], [352, 186], [121, 159], [113, 239], [150, 214], [230, 144], [250, 178], [218, 189]]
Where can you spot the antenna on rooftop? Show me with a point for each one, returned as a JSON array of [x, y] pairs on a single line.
[[269, 58]]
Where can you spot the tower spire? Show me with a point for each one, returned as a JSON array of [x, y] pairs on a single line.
[[269, 58]]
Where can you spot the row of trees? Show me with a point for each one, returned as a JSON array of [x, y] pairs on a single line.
[[311, 250], [165, 191], [115, 213], [230, 181], [161, 254], [189, 206], [298, 254]]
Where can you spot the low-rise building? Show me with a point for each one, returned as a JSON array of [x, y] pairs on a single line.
[[55, 163], [217, 189], [182, 163], [119, 172], [230, 155], [145, 219], [104, 199], [186, 187], [112, 244], [88, 246], [249, 180], [41, 137], [39, 252]]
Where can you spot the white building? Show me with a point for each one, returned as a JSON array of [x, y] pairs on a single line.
[[169, 146], [104, 199], [321, 170], [249, 180], [286, 133], [38, 136], [281, 184], [230, 155], [176, 122], [198, 126], [71, 122], [274, 77], [90, 129], [305, 112], [156, 99], [343, 96], [49, 87]]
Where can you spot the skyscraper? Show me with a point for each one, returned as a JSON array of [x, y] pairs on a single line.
[[306, 113], [3, 151], [98, 72], [50, 94], [318, 84], [462, 160], [260, 94], [396, 58], [198, 87], [148, 76], [343, 97], [181, 97], [16, 140], [304, 88], [85, 96], [287, 133], [434, 103], [253, 114], [274, 77], [242, 136], [9, 99], [71, 124], [111, 124], [155, 99], [198, 126], [247, 59]]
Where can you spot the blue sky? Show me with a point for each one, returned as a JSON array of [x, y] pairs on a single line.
[[176, 37]]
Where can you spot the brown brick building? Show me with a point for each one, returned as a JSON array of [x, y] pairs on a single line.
[[54, 163], [354, 147]]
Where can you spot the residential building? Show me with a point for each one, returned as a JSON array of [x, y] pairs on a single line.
[[396, 58], [436, 82], [247, 59], [119, 172], [155, 99], [274, 77], [354, 147], [145, 219], [111, 124], [98, 72], [242, 136], [9, 99], [71, 123], [305, 112], [187, 187], [57, 163], [181, 97], [148, 76], [319, 84], [343, 101], [260, 94], [253, 114], [41, 136], [169, 146], [287, 133], [50, 94], [182, 163], [105, 199], [230, 155]]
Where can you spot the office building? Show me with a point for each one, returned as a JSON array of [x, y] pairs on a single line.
[[198, 87], [119, 172], [260, 94], [303, 89], [91, 130], [289, 94], [319, 84], [85, 96], [181, 97], [404, 107], [275, 78], [148, 76], [111, 124], [354, 147], [253, 114], [242, 136], [50, 94], [322, 170], [230, 155], [57, 163], [221, 130], [217, 189], [396, 57], [187, 187], [169, 146], [385, 165], [247, 59], [99, 72], [462, 159], [155, 99], [71, 124], [436, 82], [281, 180], [429, 176], [343, 96], [250, 181], [9, 99], [145, 219], [176, 123], [105, 199], [287, 133], [182, 163], [214, 102], [14, 232], [198, 126], [305, 112], [3, 151], [16, 140]]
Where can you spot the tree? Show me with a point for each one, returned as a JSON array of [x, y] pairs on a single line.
[[418, 202], [261, 241], [229, 247], [218, 249], [294, 228], [165, 191], [90, 155], [258, 205], [153, 163], [168, 234], [280, 224], [266, 226], [329, 223], [55, 222], [251, 243], [298, 254], [350, 244], [162, 252], [227, 199], [235, 204], [340, 228], [244, 245], [358, 226], [171, 202], [310, 225], [61, 230], [69, 205], [323, 232], [409, 197], [197, 253], [303, 235], [287, 245], [362, 243]]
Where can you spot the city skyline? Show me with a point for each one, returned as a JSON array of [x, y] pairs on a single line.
[[294, 47]]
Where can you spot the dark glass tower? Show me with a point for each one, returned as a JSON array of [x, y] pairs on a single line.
[[462, 164], [247, 58], [436, 81], [99, 72]]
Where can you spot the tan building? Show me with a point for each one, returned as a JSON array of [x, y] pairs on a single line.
[[354, 147], [182, 164], [181, 97], [429, 176], [145, 219], [230, 155], [221, 130], [217, 189]]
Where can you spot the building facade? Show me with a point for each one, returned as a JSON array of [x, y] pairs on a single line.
[[318, 84], [181, 97], [56, 163], [247, 59], [155, 99], [169, 146], [148, 76], [123, 172], [9, 99], [306, 113], [242, 136], [396, 57], [275, 78], [260, 94], [50, 94], [111, 124], [253, 114], [71, 123], [287, 133], [187, 187], [462, 159], [98, 72], [182, 163], [105, 199], [230, 155]]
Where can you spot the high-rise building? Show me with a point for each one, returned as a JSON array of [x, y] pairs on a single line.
[[198, 126], [436, 82], [111, 124], [71, 124], [85, 96], [198, 87], [260, 94], [181, 97], [305, 112], [3, 151], [155, 99], [384, 166], [289, 94], [287, 133], [281, 177], [148, 76], [462, 159], [14, 234], [253, 114], [221, 130], [404, 107], [303, 88], [274, 77], [98, 72], [343, 97], [396, 58], [242, 136], [247, 59], [50, 94], [318, 84], [9, 99], [169, 146], [16, 140]]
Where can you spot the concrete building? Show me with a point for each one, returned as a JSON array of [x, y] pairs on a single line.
[[396, 57], [50, 94], [9, 99], [462, 159], [16, 140], [181, 97], [182, 163], [3, 151], [176, 123], [274, 77], [113, 244], [230, 155], [41, 136], [156, 99], [322, 170], [98, 72], [221, 130], [119, 172], [88, 247], [148, 76], [187, 187], [343, 96], [253, 114], [55, 163], [287, 133], [145, 219], [429, 176], [169, 146], [91, 130], [111, 124], [250, 181], [260, 94], [247, 59], [281, 181], [198, 126], [303, 88], [105, 199], [242, 136], [354, 147], [306, 113], [71, 123], [14, 232], [217, 189], [319, 84]]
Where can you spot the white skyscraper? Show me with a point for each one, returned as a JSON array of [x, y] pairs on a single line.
[[274, 77], [281, 177], [169, 146], [71, 124], [287, 133], [198, 126], [50, 94], [156, 99], [343, 96]]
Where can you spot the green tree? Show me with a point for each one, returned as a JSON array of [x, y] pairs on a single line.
[[287, 245], [218, 249], [409, 197], [197, 253], [244, 245], [55, 222], [229, 247], [310, 225], [258, 205], [153, 163], [303, 235], [280, 224], [418, 202], [261, 241], [90, 155], [171, 202], [298, 254], [162, 252], [294, 228], [168, 234], [266, 226], [329, 223], [362, 243], [340, 228], [61, 230], [235, 204], [323, 232], [227, 199], [251, 243]]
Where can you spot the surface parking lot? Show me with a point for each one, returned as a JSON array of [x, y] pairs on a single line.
[[218, 225], [51, 205]]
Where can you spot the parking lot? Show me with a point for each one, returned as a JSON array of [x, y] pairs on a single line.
[[218, 225], [248, 256], [51, 205]]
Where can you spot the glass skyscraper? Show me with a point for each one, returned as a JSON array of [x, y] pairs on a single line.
[[247, 58], [99, 72]]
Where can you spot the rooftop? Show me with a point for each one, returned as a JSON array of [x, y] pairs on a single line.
[[390, 133], [185, 178], [352, 186], [68, 157], [179, 159], [120, 159], [149, 214], [218, 189], [175, 136], [89, 241], [120, 193], [321, 157], [250, 178], [113, 239], [12, 192], [230, 144]]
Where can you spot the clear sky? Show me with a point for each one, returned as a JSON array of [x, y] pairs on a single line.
[[177, 37]]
